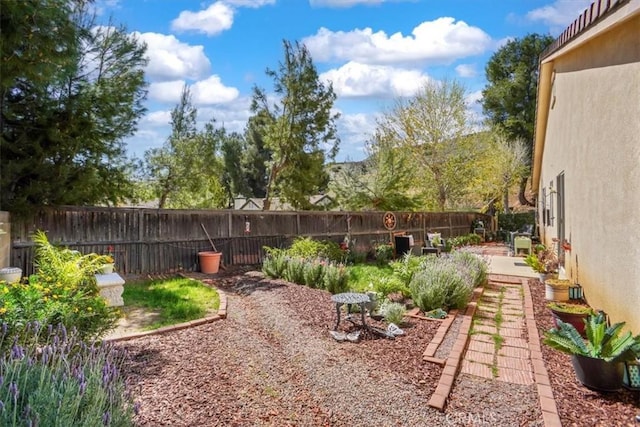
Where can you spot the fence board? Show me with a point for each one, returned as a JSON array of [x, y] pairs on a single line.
[[151, 241]]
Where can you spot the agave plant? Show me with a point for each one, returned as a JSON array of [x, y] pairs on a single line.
[[603, 341]]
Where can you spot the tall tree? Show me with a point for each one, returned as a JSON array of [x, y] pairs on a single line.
[[256, 157], [297, 128], [186, 171], [71, 92], [234, 175], [500, 168], [434, 126], [509, 99]]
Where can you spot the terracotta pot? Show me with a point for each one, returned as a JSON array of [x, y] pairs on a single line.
[[598, 374], [209, 261], [575, 319]]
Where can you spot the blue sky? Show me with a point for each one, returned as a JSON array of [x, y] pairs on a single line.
[[373, 51]]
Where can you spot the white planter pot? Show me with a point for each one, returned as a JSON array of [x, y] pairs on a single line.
[[556, 293], [11, 274], [107, 268]]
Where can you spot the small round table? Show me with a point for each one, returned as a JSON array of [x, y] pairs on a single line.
[[350, 298]]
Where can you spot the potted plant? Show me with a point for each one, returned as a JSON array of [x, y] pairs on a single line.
[[575, 314], [109, 263], [543, 261], [599, 360]]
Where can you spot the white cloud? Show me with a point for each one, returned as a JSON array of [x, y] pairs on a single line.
[[355, 130], [171, 59], [157, 118], [204, 92], [361, 80], [249, 3], [559, 14], [211, 21], [167, 92], [212, 91], [343, 3], [466, 70], [472, 98], [436, 42]]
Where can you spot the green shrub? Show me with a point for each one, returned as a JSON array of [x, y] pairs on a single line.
[[313, 274], [383, 253], [336, 278], [294, 272], [440, 285], [307, 248], [61, 381], [63, 290], [406, 267], [466, 240], [393, 312], [274, 263], [388, 285], [472, 266]]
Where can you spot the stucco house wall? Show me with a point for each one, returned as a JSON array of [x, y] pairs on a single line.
[[588, 131]]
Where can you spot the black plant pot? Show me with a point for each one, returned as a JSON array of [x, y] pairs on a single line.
[[598, 374]]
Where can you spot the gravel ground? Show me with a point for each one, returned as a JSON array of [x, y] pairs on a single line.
[[272, 362]]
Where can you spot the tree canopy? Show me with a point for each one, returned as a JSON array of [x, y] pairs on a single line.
[[186, 172], [435, 128], [70, 93], [298, 130], [509, 98]]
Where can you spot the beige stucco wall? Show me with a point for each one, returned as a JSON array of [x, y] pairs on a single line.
[[593, 136]]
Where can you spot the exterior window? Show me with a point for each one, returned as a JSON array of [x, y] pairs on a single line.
[[551, 215], [545, 213]]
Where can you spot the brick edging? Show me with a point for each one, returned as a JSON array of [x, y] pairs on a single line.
[[550, 415], [439, 397], [222, 314]]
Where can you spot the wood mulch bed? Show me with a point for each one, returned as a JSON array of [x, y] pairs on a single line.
[[272, 362]]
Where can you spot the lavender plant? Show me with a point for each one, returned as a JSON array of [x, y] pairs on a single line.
[[336, 278], [393, 312], [472, 266], [62, 381], [440, 285], [314, 273]]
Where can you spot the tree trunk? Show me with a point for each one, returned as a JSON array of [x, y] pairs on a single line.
[[521, 195], [505, 201]]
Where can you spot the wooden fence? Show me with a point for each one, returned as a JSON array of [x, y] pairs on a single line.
[[148, 241]]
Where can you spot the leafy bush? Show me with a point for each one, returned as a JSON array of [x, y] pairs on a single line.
[[393, 312], [472, 266], [405, 268], [63, 290], [387, 285], [274, 263], [439, 285], [61, 382], [294, 272], [466, 240], [336, 278], [383, 253], [313, 274], [307, 248]]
